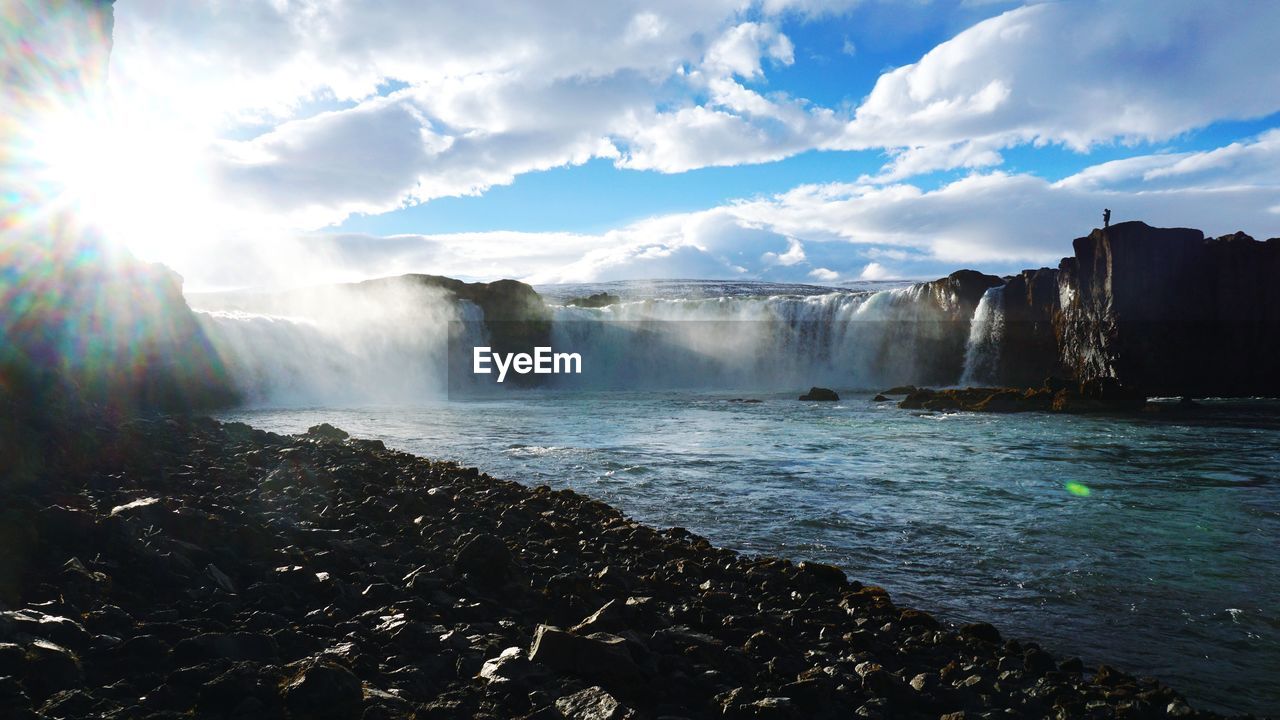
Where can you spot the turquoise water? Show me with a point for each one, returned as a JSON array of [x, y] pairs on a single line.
[[1163, 563]]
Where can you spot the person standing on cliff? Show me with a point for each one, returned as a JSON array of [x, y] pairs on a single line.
[[1106, 218]]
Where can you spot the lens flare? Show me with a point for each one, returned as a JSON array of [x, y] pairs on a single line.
[[98, 153], [1078, 489], [79, 316]]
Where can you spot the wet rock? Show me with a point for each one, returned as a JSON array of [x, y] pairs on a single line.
[[820, 395], [771, 708], [823, 573], [50, 668], [985, 632], [510, 666], [70, 703], [1093, 397], [226, 646], [1037, 662], [35, 624]]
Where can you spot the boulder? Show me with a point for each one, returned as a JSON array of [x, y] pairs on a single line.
[[323, 690], [594, 703], [510, 666], [599, 657], [325, 431], [984, 632], [820, 394], [485, 559]]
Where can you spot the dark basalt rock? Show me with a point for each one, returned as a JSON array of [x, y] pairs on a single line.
[[515, 315], [485, 559], [1167, 312], [1095, 396], [371, 583], [325, 431], [598, 657], [324, 690], [934, 334], [1029, 340], [1163, 311], [592, 704], [819, 394], [597, 300]]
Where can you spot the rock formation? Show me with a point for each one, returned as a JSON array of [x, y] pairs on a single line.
[[934, 327], [1161, 310], [82, 322], [595, 300], [515, 314], [1171, 313]]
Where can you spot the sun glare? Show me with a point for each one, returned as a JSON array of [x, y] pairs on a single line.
[[136, 179], [89, 146]]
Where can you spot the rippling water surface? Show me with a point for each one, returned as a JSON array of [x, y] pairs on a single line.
[[1163, 557]]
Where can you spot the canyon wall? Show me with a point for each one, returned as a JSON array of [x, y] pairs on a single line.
[[1164, 311]]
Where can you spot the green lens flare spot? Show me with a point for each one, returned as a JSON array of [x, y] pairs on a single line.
[[1078, 489]]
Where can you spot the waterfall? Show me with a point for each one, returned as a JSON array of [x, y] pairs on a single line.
[[982, 350], [843, 339], [336, 347], [342, 347]]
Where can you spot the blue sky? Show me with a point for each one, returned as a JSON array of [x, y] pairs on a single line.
[[793, 140]]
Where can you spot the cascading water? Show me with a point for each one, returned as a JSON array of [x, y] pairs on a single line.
[[337, 347], [391, 346], [982, 350], [843, 339]]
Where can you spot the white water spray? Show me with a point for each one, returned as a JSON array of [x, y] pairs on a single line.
[[338, 346]]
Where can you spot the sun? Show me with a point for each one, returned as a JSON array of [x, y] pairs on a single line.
[[138, 180], [82, 152]]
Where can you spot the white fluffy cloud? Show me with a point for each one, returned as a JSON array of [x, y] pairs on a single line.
[[838, 232], [490, 90], [1249, 163], [1077, 73], [493, 89], [310, 110]]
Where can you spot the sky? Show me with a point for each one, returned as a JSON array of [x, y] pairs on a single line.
[[287, 142]]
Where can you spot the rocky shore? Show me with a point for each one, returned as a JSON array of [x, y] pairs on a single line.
[[169, 567]]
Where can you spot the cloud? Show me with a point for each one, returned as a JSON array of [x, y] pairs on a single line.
[[315, 111], [1079, 74], [995, 222], [874, 271], [739, 50], [1251, 162]]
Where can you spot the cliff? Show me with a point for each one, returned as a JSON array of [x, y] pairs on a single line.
[[94, 323], [1164, 311], [931, 327], [1171, 313]]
